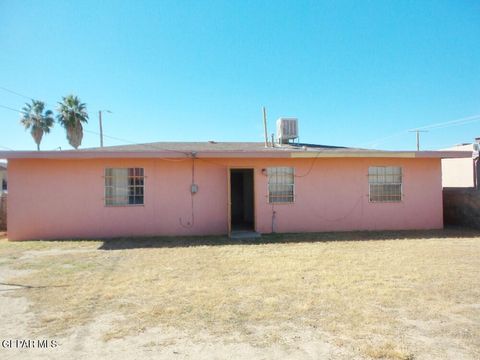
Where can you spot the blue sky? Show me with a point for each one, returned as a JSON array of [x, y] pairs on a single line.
[[351, 71]]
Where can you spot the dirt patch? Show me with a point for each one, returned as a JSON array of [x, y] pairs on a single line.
[[396, 299], [33, 254]]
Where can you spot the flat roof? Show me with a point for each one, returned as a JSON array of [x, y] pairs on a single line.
[[213, 149]]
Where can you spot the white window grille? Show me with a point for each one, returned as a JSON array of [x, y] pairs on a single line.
[[281, 184], [385, 183], [124, 186]]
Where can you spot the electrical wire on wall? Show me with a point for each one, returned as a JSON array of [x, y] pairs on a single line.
[[274, 214], [193, 191], [271, 203], [311, 166]]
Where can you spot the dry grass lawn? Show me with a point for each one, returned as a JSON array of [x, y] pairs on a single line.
[[393, 295]]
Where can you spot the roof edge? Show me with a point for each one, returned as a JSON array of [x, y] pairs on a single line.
[[86, 154]]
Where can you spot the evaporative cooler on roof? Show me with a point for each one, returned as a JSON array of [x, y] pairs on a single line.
[[287, 129]]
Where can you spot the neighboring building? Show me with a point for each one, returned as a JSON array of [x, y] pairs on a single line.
[[459, 172], [213, 188], [3, 177]]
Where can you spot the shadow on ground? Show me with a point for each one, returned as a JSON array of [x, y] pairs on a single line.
[[13, 287], [172, 242]]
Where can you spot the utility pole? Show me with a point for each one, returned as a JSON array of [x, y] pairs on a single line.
[[418, 137], [100, 124]]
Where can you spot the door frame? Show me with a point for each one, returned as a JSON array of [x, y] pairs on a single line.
[[229, 196]]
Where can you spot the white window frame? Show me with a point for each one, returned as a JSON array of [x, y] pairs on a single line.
[[385, 183], [126, 204], [269, 169]]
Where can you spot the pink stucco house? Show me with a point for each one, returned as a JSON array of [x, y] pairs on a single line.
[[213, 188]]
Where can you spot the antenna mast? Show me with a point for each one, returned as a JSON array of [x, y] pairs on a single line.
[[265, 125]]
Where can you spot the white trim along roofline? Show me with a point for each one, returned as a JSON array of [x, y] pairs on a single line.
[[267, 153]]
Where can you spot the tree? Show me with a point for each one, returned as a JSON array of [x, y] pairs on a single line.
[[72, 113], [37, 120]]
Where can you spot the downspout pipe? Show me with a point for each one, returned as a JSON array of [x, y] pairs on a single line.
[[475, 156], [475, 174]]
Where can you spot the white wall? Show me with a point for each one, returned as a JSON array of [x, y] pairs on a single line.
[[458, 172]]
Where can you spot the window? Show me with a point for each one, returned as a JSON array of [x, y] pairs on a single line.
[[280, 185], [124, 186], [385, 183]]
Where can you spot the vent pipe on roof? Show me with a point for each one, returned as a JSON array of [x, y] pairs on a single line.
[[265, 126], [476, 163]]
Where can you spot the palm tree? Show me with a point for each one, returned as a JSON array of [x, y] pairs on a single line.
[[37, 120], [71, 114]]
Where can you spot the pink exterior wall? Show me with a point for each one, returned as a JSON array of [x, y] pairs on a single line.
[[55, 199]]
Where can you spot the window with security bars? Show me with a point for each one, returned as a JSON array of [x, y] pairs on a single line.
[[124, 186], [385, 183], [281, 183]]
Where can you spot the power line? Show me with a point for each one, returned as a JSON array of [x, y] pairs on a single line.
[[455, 124], [12, 109], [436, 126], [21, 95], [111, 137], [154, 147], [442, 124], [88, 131], [25, 96], [16, 93]]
